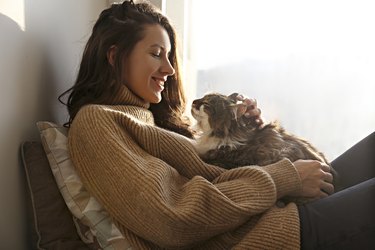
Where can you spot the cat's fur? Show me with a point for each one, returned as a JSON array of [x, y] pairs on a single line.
[[228, 139]]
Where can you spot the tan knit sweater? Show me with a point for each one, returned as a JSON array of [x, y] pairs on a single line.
[[162, 195]]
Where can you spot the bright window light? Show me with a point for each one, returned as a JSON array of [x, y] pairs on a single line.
[[310, 64]]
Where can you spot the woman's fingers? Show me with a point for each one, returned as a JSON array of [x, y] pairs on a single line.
[[325, 168], [322, 195], [328, 177], [253, 113], [327, 188], [252, 110], [316, 178]]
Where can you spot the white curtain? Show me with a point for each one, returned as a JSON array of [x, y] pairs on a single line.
[[310, 64]]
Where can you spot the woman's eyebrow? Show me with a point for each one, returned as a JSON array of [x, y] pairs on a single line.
[[158, 46]]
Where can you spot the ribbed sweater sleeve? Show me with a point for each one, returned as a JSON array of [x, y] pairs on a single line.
[[161, 193]]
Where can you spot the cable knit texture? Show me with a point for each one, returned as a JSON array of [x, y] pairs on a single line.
[[162, 195]]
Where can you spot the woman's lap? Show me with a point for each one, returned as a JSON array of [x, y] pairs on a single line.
[[346, 219], [357, 164]]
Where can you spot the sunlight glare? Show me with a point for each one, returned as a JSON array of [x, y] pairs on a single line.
[[272, 29], [15, 10]]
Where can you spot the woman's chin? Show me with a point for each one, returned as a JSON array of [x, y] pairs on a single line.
[[155, 99]]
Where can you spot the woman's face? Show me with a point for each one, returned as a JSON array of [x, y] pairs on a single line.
[[147, 67]]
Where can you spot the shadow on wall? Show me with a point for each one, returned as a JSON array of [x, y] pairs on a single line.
[[28, 94], [36, 65], [18, 107], [26, 79], [48, 57], [59, 30]]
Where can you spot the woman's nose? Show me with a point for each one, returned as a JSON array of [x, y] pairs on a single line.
[[167, 68]]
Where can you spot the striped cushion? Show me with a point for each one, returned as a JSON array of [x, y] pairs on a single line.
[[92, 221]]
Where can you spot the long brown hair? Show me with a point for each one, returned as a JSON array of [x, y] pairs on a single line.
[[122, 25]]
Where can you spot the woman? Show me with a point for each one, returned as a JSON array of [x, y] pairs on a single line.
[[131, 147]]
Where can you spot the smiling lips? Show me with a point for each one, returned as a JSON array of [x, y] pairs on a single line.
[[159, 81]]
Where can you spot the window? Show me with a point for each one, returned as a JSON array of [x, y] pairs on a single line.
[[310, 64]]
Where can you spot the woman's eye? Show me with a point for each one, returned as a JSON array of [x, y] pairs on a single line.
[[155, 55]]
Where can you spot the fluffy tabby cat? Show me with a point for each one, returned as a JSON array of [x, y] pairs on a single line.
[[227, 139]]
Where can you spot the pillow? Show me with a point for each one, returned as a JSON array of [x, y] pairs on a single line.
[[92, 221], [45, 206]]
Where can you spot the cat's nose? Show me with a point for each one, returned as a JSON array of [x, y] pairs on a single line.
[[197, 102]]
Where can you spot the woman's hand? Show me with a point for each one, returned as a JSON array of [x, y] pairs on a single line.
[[253, 113], [315, 177]]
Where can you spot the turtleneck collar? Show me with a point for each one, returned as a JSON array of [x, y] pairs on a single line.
[[126, 97]]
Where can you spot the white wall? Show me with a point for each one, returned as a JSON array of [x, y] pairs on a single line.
[[41, 43]]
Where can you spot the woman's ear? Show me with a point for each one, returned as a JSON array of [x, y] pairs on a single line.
[[111, 55]]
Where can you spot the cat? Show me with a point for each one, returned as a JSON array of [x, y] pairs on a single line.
[[228, 139]]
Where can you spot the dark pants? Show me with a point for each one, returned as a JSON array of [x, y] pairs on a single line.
[[346, 219]]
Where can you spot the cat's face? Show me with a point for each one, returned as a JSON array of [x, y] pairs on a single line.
[[216, 113]]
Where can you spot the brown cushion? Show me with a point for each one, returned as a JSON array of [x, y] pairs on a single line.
[[51, 222], [94, 225]]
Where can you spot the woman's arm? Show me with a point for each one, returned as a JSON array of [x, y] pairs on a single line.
[[164, 200]]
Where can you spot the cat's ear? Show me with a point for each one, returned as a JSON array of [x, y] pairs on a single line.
[[233, 96], [239, 110]]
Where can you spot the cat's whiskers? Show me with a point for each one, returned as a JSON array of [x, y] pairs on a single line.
[[206, 141]]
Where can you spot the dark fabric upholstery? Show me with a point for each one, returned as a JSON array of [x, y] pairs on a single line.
[[50, 222]]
